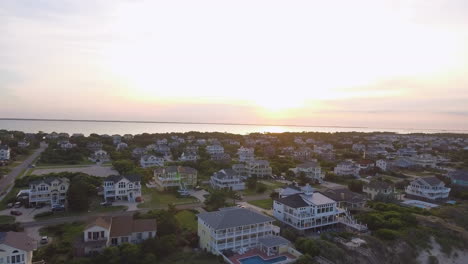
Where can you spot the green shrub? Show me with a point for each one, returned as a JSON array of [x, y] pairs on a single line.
[[386, 234]]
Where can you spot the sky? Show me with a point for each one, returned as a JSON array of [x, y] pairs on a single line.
[[373, 63]]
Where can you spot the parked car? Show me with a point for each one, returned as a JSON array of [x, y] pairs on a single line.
[[17, 205], [44, 240], [14, 212], [106, 203], [58, 208]]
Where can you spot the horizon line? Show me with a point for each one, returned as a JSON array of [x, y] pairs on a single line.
[[211, 123]]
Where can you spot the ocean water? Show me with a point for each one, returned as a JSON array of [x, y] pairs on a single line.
[[110, 127]]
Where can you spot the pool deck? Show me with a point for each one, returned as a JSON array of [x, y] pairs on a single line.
[[255, 252]]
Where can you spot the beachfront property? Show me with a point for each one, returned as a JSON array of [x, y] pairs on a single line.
[[427, 188], [254, 168], [16, 247], [51, 191], [147, 161], [459, 177], [345, 198], [122, 188], [306, 210], [246, 154], [103, 232], [311, 169], [99, 156], [347, 168], [4, 153], [376, 187], [227, 179], [214, 149], [239, 234], [179, 177]]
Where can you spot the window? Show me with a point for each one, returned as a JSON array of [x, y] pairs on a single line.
[[150, 235], [114, 241], [89, 235], [62, 187], [124, 239], [121, 184], [102, 234], [139, 236]]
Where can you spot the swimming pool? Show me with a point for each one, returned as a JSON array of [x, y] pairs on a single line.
[[259, 260]]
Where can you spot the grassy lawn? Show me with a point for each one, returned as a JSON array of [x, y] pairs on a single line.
[[187, 220], [6, 219], [63, 232], [265, 204], [100, 209], [52, 166], [154, 198], [270, 184]]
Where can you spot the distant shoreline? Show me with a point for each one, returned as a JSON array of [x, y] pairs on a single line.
[[169, 122], [230, 124]]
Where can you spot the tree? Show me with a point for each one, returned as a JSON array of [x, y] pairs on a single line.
[[305, 259], [78, 198], [274, 195], [123, 166], [252, 183], [303, 180], [356, 186], [215, 200]]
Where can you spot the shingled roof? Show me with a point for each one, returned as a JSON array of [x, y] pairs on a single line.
[[17, 240], [117, 178], [233, 217]]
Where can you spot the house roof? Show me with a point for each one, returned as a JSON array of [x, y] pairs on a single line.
[[294, 201], [433, 181], [226, 173], [49, 180], [104, 222], [117, 178], [144, 225], [308, 164], [17, 240], [272, 241], [121, 226], [343, 194], [233, 217], [378, 185]]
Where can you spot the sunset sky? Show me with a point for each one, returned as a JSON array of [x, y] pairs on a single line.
[[376, 63]]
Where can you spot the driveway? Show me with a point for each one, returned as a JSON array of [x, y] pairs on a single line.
[[95, 170], [7, 181], [27, 213], [199, 195]]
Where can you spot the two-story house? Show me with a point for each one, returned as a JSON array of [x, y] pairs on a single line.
[[51, 191], [227, 179], [214, 149], [381, 164], [16, 247], [347, 168], [308, 210], [180, 177], [259, 168], [99, 156], [66, 144], [233, 229], [4, 153], [345, 198], [147, 161], [311, 169], [376, 187], [188, 156], [122, 188], [246, 154], [427, 188], [108, 231]]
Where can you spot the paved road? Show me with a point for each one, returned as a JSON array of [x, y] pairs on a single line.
[[6, 181]]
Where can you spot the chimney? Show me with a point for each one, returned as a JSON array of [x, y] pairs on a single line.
[[342, 196]]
